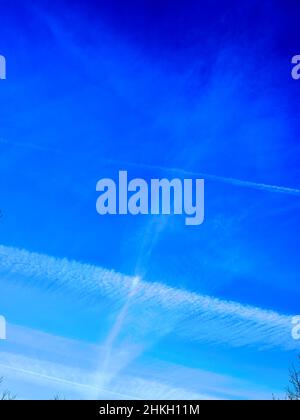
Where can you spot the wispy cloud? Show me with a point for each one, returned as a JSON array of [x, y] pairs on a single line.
[[155, 309], [42, 371], [28, 361]]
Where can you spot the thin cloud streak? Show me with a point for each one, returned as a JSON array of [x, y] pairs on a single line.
[[28, 360], [59, 379], [216, 178], [179, 171], [70, 378]]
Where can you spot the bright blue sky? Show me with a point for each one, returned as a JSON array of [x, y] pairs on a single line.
[[146, 87]]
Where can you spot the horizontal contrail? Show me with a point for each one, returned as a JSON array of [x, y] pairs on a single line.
[[31, 146], [156, 309], [127, 387], [61, 380], [43, 360], [217, 178], [183, 172]]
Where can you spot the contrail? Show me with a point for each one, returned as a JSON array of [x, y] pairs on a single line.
[[216, 178], [129, 386], [116, 329], [155, 309], [183, 172], [63, 381], [43, 359], [31, 146]]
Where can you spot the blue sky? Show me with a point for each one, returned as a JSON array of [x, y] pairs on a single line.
[[146, 307]]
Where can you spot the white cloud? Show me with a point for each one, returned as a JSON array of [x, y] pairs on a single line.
[[42, 370], [155, 309]]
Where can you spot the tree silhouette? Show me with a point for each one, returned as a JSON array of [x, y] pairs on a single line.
[[6, 395], [293, 390]]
